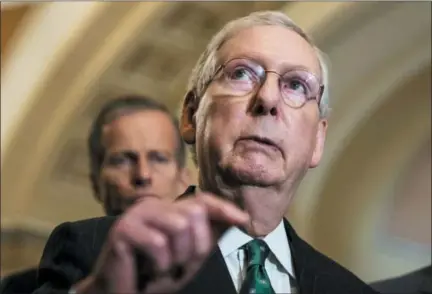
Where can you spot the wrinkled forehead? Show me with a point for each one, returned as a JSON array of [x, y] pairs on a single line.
[[275, 47]]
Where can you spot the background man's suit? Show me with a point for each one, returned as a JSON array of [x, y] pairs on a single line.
[[73, 248], [19, 283]]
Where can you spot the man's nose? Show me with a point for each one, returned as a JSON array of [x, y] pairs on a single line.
[[142, 174], [266, 100]]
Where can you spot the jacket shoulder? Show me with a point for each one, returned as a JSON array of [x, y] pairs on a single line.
[[72, 250], [97, 227], [328, 274]]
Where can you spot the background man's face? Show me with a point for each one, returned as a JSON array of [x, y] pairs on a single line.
[[223, 120], [140, 160]]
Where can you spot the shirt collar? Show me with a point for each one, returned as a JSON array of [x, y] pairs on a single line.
[[277, 241], [279, 245], [232, 240]]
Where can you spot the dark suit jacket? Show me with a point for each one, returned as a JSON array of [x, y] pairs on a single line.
[[418, 282], [73, 248], [22, 282]]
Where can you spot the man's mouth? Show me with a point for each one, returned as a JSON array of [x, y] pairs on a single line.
[[262, 140]]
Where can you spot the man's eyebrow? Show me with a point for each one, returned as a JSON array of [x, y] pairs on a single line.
[[163, 151], [282, 67]]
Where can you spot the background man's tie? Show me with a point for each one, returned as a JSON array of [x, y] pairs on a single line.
[[256, 280]]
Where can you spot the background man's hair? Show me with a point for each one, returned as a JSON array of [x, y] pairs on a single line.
[[122, 106]]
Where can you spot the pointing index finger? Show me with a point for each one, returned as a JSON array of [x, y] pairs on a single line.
[[224, 211]]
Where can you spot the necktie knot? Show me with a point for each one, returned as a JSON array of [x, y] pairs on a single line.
[[256, 252]]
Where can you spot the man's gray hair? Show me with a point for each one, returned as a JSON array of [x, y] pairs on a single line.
[[207, 63]]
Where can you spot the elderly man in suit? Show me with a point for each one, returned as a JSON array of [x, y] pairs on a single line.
[[255, 115]]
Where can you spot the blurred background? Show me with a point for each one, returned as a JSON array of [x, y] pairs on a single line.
[[368, 205]]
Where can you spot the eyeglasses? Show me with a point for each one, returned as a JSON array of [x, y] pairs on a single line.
[[242, 76]]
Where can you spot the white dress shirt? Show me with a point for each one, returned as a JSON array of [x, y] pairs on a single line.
[[278, 264]]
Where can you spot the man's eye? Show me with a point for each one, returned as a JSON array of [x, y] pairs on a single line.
[[118, 160], [159, 158], [296, 86], [241, 74]]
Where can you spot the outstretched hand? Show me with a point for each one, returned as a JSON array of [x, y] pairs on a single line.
[[158, 246]]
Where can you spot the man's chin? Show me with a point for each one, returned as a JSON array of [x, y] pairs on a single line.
[[252, 176]]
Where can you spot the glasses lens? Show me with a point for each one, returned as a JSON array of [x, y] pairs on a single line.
[[298, 86], [242, 75]]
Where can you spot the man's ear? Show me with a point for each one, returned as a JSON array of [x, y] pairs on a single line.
[[187, 120], [319, 143]]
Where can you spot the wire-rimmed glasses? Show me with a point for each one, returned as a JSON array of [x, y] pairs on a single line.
[[243, 76]]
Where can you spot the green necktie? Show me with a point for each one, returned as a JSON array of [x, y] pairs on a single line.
[[256, 280]]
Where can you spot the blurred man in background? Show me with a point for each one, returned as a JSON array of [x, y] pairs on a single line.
[[135, 151]]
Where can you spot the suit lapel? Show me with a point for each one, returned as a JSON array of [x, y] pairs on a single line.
[[213, 278], [305, 276]]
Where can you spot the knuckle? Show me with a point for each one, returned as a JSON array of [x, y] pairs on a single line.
[[181, 224], [120, 249], [196, 210], [159, 241]]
